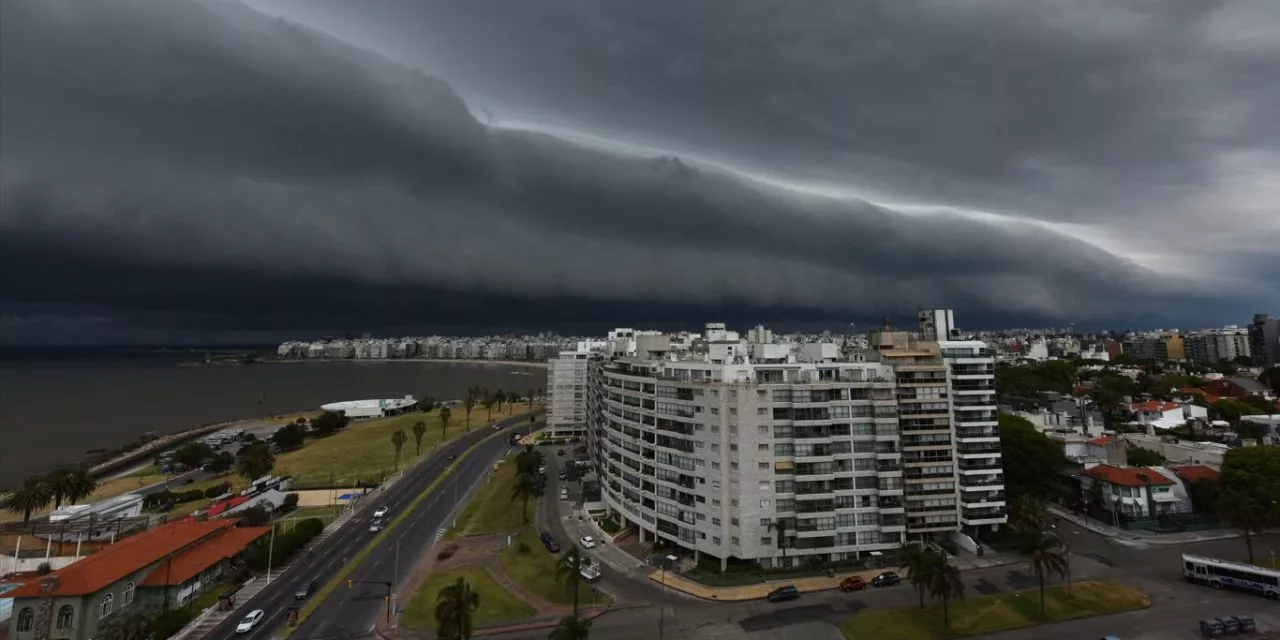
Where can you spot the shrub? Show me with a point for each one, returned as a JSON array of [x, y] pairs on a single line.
[[217, 490], [43, 569], [523, 548], [286, 544], [447, 552], [290, 502]]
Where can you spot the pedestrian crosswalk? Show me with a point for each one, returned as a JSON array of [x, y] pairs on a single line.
[[440, 534]]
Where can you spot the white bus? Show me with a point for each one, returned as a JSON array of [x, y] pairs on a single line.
[[1221, 574]]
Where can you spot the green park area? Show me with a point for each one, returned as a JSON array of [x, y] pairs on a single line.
[[496, 604], [529, 564], [363, 451], [990, 614], [491, 509]]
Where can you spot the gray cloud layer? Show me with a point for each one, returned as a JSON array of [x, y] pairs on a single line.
[[203, 138]]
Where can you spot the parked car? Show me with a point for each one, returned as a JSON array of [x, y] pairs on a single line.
[[549, 542], [1211, 628], [783, 594], [305, 590], [853, 583], [886, 579], [453, 457], [381, 512], [588, 542], [562, 476], [250, 621]]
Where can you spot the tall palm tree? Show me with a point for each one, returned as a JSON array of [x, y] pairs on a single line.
[[526, 487], [33, 495], [528, 460], [1027, 514], [419, 430], [568, 573], [455, 606], [944, 583], [571, 628], [529, 398], [919, 562], [779, 526], [397, 440], [469, 404], [445, 415], [255, 460], [487, 403], [1047, 556], [78, 484], [499, 397]]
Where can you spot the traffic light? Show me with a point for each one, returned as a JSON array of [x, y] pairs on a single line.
[[348, 584]]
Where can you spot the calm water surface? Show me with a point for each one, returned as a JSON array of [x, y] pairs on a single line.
[[51, 412]]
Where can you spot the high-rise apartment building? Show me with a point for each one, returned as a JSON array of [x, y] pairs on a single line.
[[567, 391], [1264, 340], [782, 453], [1216, 345]]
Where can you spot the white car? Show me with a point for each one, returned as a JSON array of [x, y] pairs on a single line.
[[381, 513], [250, 621], [588, 542]]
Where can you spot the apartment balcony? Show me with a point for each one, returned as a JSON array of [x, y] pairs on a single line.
[[976, 499], [977, 432], [992, 514], [925, 493], [980, 482], [891, 504], [978, 448], [917, 474], [971, 387], [927, 527], [969, 404], [888, 466]]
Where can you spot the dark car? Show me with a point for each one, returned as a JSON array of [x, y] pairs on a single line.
[[549, 542], [305, 590], [453, 457], [783, 594], [886, 579], [853, 583]]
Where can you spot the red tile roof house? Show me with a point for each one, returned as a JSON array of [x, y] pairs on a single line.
[[1139, 493], [164, 567]]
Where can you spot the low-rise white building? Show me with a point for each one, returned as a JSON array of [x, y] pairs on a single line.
[[361, 409]]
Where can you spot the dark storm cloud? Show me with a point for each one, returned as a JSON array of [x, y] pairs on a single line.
[[203, 160]]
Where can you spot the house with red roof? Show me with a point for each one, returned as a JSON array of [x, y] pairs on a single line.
[[1140, 493], [156, 570]]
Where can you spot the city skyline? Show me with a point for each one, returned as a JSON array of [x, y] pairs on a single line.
[[349, 168]]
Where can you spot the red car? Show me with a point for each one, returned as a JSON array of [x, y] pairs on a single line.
[[853, 583]]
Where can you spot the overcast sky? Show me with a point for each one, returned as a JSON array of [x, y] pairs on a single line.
[[173, 169]]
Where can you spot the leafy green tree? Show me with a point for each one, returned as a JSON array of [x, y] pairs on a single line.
[[222, 462], [456, 605], [1031, 461], [943, 583], [33, 494], [1140, 457], [290, 436], [193, 454], [1030, 380], [526, 488], [571, 628], [1205, 496], [419, 430], [397, 440], [1047, 556], [329, 423], [255, 460], [1250, 498], [1027, 514], [920, 563]]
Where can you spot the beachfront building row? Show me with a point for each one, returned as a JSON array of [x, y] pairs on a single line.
[[784, 453]]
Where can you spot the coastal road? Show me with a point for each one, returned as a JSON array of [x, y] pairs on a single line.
[[352, 612]]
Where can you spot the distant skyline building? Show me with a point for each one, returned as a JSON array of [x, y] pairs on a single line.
[[1264, 340]]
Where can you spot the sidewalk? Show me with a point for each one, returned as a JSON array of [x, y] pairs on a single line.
[[1140, 537]]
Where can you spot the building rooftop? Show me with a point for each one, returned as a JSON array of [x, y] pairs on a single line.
[[191, 562], [1127, 476], [99, 570], [1195, 472]]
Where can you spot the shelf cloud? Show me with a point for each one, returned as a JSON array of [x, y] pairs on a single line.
[[202, 162]]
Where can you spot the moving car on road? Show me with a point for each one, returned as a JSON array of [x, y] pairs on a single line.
[[549, 542], [376, 526], [250, 621], [783, 594], [305, 590], [886, 579], [588, 542], [381, 513], [853, 583]]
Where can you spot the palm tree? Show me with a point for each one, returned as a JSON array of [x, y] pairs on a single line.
[[919, 561], [78, 484], [1027, 514], [445, 415], [567, 573], [455, 605], [397, 440], [529, 398], [528, 460], [571, 628], [255, 460], [526, 487], [499, 397], [779, 526], [57, 483], [419, 430], [944, 583], [1047, 556], [34, 495], [469, 404]]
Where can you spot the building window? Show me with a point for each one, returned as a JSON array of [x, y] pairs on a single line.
[[765, 504], [762, 411], [734, 540], [66, 617], [765, 542], [104, 609], [25, 618], [128, 593]]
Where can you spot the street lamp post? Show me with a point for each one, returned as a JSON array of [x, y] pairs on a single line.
[[271, 546], [662, 608]]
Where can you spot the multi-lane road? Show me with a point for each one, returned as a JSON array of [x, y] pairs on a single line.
[[349, 612]]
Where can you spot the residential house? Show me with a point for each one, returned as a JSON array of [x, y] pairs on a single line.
[[1139, 493], [153, 571], [1157, 414]]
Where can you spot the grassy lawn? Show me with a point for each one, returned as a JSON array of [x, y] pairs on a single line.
[[208, 598], [496, 604], [326, 513], [363, 451], [989, 614], [536, 571], [491, 509]]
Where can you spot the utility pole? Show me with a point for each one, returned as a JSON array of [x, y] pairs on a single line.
[[271, 546]]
